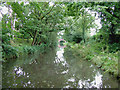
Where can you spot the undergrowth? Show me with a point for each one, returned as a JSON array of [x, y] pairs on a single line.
[[16, 51], [96, 53]]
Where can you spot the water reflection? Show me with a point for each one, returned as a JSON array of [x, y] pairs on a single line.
[[55, 70], [64, 72], [19, 72], [60, 58]]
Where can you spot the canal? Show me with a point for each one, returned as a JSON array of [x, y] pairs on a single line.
[[57, 68]]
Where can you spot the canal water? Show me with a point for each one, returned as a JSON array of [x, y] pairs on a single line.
[[57, 68]]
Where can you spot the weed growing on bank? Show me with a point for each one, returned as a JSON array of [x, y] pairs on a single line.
[[103, 59]]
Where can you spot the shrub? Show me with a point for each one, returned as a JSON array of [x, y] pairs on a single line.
[[9, 51], [106, 61], [74, 37], [114, 47], [77, 38], [29, 49]]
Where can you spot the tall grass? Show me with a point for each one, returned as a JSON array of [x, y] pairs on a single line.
[[15, 52], [96, 53]]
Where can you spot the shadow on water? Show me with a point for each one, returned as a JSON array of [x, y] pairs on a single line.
[[54, 69]]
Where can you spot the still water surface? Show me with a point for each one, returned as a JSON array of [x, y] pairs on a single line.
[[55, 69]]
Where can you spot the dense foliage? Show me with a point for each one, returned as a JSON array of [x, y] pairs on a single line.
[[102, 48], [35, 24]]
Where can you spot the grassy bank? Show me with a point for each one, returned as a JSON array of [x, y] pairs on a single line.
[[108, 62], [19, 47], [15, 47]]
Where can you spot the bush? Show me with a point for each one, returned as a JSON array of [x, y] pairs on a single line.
[[9, 51], [75, 37], [114, 47], [105, 60], [28, 49]]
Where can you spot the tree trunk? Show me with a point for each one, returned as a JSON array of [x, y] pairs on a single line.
[[34, 38], [36, 41], [83, 34], [83, 19], [112, 35]]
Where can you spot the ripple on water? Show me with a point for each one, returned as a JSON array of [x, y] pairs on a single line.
[[64, 72], [20, 72]]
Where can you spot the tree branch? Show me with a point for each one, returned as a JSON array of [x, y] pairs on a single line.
[[48, 12]]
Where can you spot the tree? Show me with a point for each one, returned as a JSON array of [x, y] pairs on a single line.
[[82, 21], [37, 18], [110, 20]]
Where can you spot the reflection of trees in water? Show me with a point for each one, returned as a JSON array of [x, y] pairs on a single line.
[[43, 66], [83, 73], [78, 70], [41, 71]]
